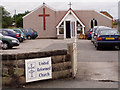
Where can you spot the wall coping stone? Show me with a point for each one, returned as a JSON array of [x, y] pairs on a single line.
[[31, 55]]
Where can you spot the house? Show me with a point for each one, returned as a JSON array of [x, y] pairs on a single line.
[[50, 23]]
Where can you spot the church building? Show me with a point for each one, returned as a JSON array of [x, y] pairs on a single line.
[[50, 23]]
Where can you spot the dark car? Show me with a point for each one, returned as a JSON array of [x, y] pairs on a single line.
[[20, 32], [89, 34], [30, 33], [107, 38], [8, 42], [12, 33]]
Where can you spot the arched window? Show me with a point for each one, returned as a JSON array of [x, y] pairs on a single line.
[[93, 23]]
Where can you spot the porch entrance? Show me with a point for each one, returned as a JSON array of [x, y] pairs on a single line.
[[68, 31]]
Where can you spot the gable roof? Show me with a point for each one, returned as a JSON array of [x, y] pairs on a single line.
[[106, 13], [37, 9], [66, 14]]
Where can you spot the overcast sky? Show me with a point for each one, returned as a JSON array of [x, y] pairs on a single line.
[[23, 5]]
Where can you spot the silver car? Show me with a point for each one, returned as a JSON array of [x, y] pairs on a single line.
[[95, 30]]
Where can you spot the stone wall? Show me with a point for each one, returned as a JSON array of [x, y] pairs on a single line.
[[13, 66]]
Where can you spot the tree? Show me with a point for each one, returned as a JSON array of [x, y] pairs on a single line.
[[19, 20], [6, 18]]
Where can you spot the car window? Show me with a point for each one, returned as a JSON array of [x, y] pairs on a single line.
[[4, 32], [109, 32], [96, 30], [27, 30], [12, 32]]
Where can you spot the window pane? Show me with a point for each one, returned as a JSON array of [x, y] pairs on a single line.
[[61, 30], [62, 24], [79, 30]]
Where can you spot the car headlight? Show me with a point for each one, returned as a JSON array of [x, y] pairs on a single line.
[[14, 41], [22, 36]]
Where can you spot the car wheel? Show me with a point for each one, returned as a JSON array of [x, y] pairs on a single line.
[[119, 47], [5, 45], [88, 38], [34, 38], [97, 47], [21, 40], [28, 37]]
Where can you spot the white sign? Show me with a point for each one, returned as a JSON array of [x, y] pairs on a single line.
[[38, 69]]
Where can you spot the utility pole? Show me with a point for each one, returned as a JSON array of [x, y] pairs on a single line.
[[15, 18]]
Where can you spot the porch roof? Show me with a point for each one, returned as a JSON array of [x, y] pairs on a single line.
[[66, 14]]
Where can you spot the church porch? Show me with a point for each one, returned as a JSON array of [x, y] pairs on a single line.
[[70, 26]]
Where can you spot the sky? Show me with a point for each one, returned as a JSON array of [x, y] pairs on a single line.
[[23, 5]]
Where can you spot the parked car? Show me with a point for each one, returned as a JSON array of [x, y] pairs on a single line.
[[20, 32], [89, 34], [107, 38], [1, 44], [12, 33], [95, 30], [8, 42], [30, 33]]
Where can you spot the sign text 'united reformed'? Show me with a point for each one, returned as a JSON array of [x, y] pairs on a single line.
[[38, 69]]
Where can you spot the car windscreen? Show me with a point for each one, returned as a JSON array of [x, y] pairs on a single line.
[[109, 32], [28, 30], [33, 30], [17, 31]]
